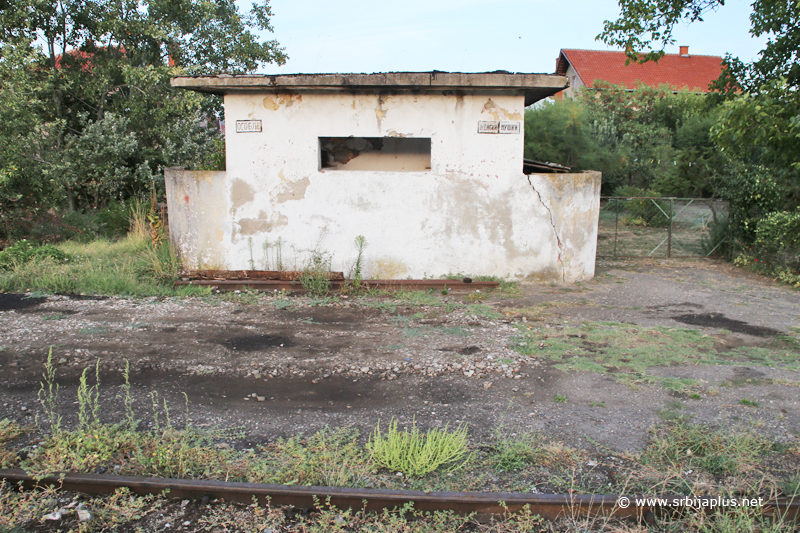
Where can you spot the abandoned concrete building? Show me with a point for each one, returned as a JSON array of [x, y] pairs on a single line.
[[428, 167]]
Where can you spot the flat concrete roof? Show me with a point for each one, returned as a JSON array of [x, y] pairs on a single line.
[[533, 86]]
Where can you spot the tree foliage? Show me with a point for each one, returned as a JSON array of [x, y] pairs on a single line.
[[648, 138], [758, 124], [88, 112]]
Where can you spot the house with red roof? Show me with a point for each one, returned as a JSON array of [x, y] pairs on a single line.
[[682, 71]]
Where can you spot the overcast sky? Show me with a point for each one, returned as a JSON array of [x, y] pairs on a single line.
[[469, 35]]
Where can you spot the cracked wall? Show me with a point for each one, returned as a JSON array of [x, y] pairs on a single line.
[[468, 208]]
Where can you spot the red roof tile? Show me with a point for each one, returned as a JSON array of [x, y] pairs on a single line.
[[692, 72]]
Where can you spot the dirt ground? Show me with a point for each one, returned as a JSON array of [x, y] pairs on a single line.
[[279, 366]]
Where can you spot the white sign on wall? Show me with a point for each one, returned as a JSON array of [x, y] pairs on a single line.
[[509, 127], [502, 126], [248, 126], [488, 126]]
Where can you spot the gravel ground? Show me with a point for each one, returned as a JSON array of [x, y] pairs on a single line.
[[281, 366]]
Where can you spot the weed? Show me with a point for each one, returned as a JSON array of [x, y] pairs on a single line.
[[9, 430], [418, 297], [559, 398], [89, 399], [130, 418], [315, 278], [483, 310], [360, 243], [54, 317], [597, 404], [456, 331], [129, 266], [415, 454], [23, 252], [251, 261], [330, 457], [629, 351], [696, 446], [514, 452], [48, 393], [476, 296], [384, 307], [748, 402]]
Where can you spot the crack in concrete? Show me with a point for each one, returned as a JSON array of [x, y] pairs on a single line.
[[559, 257]]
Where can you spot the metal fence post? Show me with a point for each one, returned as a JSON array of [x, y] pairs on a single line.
[[616, 230], [669, 235]]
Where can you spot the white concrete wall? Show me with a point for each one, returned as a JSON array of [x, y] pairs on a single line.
[[474, 212]]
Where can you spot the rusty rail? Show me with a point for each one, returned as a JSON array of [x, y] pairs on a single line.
[[482, 504], [380, 284], [282, 275]]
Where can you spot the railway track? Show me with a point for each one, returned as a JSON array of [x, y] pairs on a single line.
[[483, 505]]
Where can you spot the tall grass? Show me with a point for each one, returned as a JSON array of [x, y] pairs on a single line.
[[131, 266]]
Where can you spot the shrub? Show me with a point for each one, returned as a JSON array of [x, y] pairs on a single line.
[[778, 239], [718, 241], [642, 211], [416, 454], [24, 251]]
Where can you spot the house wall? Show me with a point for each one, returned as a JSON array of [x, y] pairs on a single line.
[[473, 212], [575, 82]]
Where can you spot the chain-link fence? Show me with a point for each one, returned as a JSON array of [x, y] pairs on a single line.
[[660, 227]]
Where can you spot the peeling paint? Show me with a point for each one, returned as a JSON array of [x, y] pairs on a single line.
[[498, 113], [252, 226], [241, 193], [293, 190], [274, 102]]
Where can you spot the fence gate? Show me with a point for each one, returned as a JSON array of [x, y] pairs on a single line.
[[658, 226]]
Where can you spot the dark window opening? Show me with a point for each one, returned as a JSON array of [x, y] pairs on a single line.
[[389, 154]]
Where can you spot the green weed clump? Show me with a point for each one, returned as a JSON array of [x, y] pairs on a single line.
[[628, 351], [132, 266], [23, 252], [416, 454], [718, 452], [316, 278]]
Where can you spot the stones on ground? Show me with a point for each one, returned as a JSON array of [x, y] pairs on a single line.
[[260, 398], [55, 516], [84, 515]]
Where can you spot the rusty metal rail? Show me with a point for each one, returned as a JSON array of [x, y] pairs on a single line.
[[381, 284], [482, 504]]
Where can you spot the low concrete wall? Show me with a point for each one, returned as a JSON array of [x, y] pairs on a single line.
[[199, 223], [540, 227]]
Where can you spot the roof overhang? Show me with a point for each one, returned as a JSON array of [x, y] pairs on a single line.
[[534, 87]]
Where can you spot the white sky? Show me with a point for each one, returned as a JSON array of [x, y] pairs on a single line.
[[469, 35]]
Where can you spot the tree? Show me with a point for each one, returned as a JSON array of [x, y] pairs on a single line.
[[761, 116], [560, 132], [758, 127], [115, 57]]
